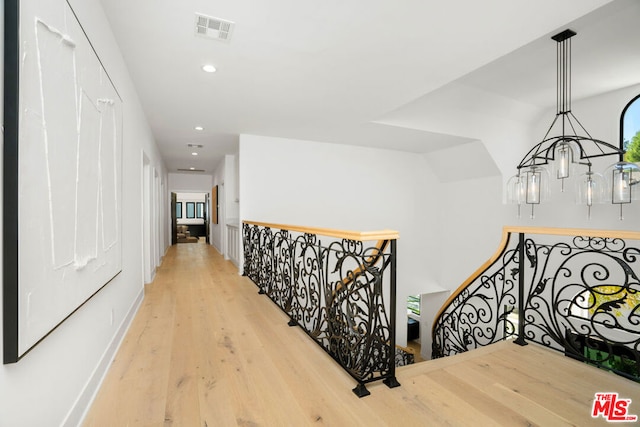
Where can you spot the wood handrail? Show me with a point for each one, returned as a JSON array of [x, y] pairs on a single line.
[[371, 260], [361, 236], [506, 232], [586, 232]]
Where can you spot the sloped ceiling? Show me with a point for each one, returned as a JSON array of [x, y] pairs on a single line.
[[605, 57], [357, 72]]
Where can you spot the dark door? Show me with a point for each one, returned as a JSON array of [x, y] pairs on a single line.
[[207, 226], [174, 221]]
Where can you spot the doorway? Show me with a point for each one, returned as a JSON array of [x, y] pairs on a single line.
[[147, 229], [189, 217], [174, 222]]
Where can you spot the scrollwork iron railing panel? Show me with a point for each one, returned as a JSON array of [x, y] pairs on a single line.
[[307, 309], [584, 300], [251, 252], [359, 328], [575, 293], [342, 294], [266, 261], [281, 289], [404, 357], [478, 315]]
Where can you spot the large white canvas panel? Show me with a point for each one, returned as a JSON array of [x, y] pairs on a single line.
[[69, 171]]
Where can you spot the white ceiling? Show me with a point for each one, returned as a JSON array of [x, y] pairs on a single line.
[[362, 72]]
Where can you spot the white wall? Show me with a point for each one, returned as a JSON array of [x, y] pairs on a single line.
[[346, 187], [189, 183], [471, 218], [225, 177], [470, 211], [54, 383], [218, 230], [468, 178], [232, 200]]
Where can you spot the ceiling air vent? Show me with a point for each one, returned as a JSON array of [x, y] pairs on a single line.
[[214, 28], [190, 170]]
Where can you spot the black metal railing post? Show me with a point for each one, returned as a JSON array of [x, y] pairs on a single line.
[[521, 280], [391, 381]]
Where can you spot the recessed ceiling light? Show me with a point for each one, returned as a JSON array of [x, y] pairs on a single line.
[[199, 128], [192, 169], [194, 154], [208, 68]]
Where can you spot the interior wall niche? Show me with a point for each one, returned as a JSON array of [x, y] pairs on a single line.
[[62, 172]]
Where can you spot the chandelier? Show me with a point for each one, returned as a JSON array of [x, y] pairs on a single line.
[[573, 148]]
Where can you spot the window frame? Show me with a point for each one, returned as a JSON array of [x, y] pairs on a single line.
[[191, 210], [622, 116]]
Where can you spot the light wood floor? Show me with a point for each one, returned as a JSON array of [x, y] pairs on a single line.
[[417, 348], [207, 350]]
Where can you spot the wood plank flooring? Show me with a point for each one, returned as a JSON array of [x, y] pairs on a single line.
[[205, 349]]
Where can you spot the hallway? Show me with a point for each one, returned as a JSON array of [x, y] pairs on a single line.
[[205, 349]]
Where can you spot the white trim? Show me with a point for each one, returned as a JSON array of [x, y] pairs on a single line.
[[80, 407]]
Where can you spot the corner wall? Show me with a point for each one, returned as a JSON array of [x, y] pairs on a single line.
[[346, 187], [225, 177]]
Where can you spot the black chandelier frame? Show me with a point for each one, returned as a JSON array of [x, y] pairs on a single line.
[[544, 152]]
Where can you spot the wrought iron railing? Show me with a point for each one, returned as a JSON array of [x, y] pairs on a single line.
[[404, 356], [575, 291], [341, 292]]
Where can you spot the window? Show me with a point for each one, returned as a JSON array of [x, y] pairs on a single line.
[[200, 210], [630, 130], [191, 210], [413, 304], [179, 210]]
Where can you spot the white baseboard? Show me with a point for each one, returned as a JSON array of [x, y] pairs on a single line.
[[217, 248], [81, 406]]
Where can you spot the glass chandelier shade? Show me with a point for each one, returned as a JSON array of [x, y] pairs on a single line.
[[622, 183], [536, 185], [572, 148], [530, 186], [590, 189], [516, 190], [567, 153]]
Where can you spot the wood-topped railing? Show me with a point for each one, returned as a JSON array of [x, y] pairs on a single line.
[[573, 290], [341, 292]]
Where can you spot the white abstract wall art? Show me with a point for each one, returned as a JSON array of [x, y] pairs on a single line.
[[62, 173]]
